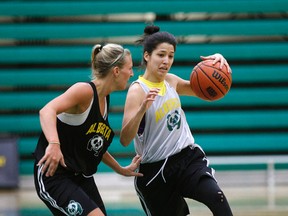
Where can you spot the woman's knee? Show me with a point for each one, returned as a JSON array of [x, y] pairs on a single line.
[[209, 193]]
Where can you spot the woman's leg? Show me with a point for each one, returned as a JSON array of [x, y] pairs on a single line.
[[209, 193]]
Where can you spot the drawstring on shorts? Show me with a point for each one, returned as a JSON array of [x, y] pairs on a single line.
[[160, 170]]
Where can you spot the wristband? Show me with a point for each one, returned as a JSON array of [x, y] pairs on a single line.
[[58, 143]]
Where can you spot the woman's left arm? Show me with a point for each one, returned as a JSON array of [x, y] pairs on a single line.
[[183, 87], [129, 170], [217, 57]]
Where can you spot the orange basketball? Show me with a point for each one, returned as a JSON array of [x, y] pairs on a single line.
[[209, 82]]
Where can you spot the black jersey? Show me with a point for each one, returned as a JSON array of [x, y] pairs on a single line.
[[83, 145]]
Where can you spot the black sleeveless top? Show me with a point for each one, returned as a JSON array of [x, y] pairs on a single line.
[[82, 145]]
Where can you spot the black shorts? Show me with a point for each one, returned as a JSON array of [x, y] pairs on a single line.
[[165, 183], [67, 193]]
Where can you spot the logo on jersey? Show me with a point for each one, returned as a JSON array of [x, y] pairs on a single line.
[[100, 128], [96, 144], [74, 208], [166, 107], [173, 120]]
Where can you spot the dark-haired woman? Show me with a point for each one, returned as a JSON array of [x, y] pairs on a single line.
[[173, 165], [76, 135]]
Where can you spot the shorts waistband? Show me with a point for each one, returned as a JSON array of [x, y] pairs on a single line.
[[172, 157]]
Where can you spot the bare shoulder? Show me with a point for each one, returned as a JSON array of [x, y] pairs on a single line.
[[182, 86], [135, 87], [75, 97], [81, 92], [82, 85], [82, 88], [172, 79], [135, 93]]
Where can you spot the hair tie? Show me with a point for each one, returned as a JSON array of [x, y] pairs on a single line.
[[100, 48], [96, 51]]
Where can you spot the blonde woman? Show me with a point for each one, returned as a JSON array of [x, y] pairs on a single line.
[[76, 135]]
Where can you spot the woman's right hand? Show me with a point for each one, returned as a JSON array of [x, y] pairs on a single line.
[[150, 97], [136, 105], [53, 156]]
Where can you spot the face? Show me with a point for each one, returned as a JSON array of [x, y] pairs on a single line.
[[160, 61], [124, 73]]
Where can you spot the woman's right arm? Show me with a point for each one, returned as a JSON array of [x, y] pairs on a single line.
[[66, 102], [137, 102]]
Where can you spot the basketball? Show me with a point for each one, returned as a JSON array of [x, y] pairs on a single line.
[[209, 82]]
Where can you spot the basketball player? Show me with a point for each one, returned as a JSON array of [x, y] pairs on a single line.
[[76, 135], [173, 165]]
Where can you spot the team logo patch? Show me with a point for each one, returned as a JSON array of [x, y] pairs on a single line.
[[173, 120], [96, 144], [74, 208]]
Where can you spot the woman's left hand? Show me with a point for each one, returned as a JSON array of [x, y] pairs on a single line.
[[218, 58], [130, 170]]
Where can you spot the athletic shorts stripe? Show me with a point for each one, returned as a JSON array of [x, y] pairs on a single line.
[[141, 197], [44, 194]]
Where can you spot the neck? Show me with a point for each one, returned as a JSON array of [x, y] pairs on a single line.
[[152, 78], [160, 85], [103, 88]]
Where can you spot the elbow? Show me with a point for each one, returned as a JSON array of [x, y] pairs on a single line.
[[124, 142], [41, 113]]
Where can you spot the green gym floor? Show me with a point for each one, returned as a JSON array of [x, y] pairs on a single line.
[[248, 194]]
